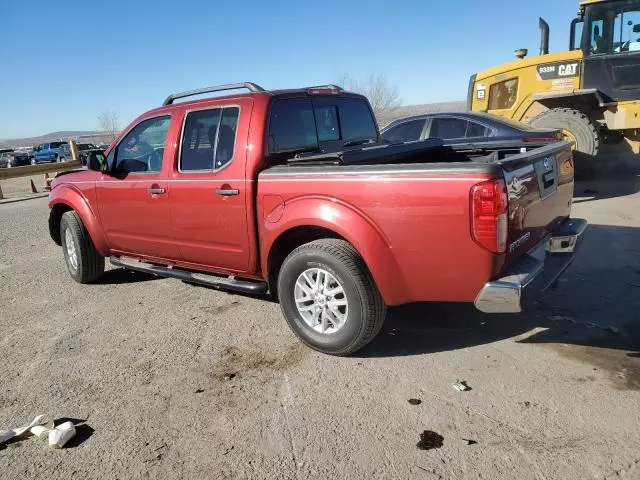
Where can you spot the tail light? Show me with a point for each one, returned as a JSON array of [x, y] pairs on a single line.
[[489, 215]]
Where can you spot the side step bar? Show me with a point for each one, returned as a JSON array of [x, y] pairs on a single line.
[[244, 286]]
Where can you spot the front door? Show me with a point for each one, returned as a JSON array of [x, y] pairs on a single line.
[[612, 50], [133, 199], [209, 192]]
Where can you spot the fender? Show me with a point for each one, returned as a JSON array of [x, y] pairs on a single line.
[[351, 224], [71, 196]]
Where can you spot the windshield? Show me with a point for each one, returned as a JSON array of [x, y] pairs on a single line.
[[56, 144], [86, 146]]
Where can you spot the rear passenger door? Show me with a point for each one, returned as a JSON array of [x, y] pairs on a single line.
[[209, 189]]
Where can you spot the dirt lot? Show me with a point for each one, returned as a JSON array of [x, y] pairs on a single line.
[[173, 380]]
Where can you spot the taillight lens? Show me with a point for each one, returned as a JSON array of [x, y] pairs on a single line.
[[489, 215]]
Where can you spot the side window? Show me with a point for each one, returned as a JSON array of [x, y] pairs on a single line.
[[448, 128], [475, 130], [208, 141], [503, 95], [630, 31], [143, 147], [598, 42], [405, 132]]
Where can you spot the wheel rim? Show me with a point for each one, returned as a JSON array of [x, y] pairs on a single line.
[[570, 137], [72, 254], [321, 301], [33, 161]]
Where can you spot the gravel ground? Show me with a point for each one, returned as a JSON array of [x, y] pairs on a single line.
[[168, 380]]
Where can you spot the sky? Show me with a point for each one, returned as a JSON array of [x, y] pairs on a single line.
[[64, 62]]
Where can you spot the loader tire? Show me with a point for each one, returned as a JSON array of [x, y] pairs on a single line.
[[575, 126]]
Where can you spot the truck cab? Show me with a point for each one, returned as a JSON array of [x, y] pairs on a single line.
[[46, 152]]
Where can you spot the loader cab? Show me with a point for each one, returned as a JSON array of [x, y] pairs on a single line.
[[609, 33]]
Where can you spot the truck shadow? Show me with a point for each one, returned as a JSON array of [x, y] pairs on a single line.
[[606, 176], [595, 305]]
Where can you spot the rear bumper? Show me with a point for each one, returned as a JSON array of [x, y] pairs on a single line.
[[534, 273]]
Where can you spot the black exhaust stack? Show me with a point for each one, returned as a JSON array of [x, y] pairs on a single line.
[[544, 37]]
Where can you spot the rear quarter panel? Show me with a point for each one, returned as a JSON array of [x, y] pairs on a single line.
[[410, 226]]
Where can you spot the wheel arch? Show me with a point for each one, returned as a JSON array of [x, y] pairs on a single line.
[[588, 101], [310, 219], [66, 198]]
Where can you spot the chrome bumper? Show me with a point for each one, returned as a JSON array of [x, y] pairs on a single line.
[[534, 273]]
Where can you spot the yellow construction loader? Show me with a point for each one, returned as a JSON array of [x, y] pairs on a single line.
[[591, 92]]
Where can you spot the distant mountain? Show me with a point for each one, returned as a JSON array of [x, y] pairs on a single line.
[[49, 137], [386, 117]]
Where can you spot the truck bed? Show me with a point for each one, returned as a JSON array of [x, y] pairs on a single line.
[[422, 209]]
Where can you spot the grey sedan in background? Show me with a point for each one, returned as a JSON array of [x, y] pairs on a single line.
[[466, 128]]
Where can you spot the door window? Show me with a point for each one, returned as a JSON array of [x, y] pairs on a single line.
[[448, 128], [209, 138], [143, 147], [405, 132]]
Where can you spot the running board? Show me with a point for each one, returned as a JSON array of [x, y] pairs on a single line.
[[244, 286]]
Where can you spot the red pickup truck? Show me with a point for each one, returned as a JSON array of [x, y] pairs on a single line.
[[292, 193]]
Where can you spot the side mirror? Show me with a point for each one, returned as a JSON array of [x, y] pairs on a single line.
[[96, 161], [636, 28]]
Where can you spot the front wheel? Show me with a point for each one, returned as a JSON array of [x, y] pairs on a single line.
[[328, 297], [84, 262]]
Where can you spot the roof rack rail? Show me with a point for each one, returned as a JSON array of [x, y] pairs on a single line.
[[252, 87]]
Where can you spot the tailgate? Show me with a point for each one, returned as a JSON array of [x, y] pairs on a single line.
[[540, 191]]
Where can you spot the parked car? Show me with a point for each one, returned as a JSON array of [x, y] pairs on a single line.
[[291, 192], [45, 152], [465, 128], [10, 159], [64, 152]]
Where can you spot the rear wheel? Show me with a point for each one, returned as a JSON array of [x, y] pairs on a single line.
[[328, 297], [84, 262], [575, 126]]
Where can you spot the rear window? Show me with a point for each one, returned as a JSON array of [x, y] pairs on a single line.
[[308, 123], [56, 144]]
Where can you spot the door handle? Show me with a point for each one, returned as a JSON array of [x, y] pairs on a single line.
[[157, 191], [227, 192]]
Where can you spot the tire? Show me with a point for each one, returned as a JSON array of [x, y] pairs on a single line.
[[89, 264], [574, 122], [60, 159], [364, 312]]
